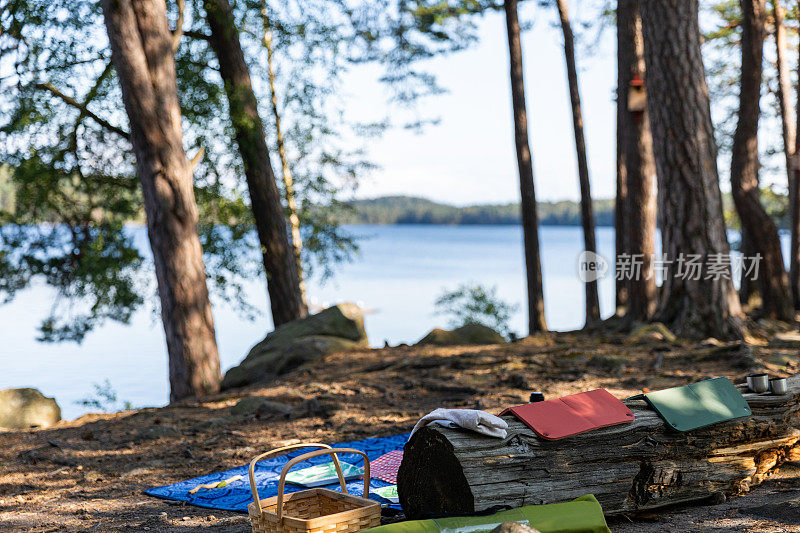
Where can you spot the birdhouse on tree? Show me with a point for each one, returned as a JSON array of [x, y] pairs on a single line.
[[637, 98]]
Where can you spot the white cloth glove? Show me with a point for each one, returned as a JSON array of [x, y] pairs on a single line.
[[479, 421]]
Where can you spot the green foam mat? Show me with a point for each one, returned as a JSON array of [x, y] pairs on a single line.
[[699, 404], [581, 515]]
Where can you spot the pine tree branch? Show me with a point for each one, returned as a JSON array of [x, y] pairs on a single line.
[[83, 109], [87, 100], [177, 34], [197, 35], [196, 158]]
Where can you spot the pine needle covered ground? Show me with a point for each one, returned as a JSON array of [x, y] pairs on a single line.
[[89, 474]]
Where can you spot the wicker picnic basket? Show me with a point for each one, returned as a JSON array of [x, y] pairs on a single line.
[[314, 510]]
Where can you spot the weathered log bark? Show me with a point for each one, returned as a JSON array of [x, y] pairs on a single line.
[[530, 220], [636, 165], [141, 50], [761, 231], [587, 217], [630, 467], [689, 198], [283, 283]]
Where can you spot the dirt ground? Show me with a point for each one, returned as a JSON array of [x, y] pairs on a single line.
[[89, 474]]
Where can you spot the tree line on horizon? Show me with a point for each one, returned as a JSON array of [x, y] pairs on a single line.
[[415, 210], [388, 210], [215, 93]]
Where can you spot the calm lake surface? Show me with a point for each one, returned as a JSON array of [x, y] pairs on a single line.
[[398, 275]]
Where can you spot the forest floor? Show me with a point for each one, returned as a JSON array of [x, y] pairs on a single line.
[[89, 474]]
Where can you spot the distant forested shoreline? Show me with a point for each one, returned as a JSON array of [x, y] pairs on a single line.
[[415, 210], [388, 210]]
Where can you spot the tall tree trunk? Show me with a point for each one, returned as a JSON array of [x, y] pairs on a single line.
[[793, 170], [620, 217], [587, 218], [748, 288], [689, 199], [757, 224], [141, 51], [784, 86], [638, 163], [283, 282], [286, 173], [530, 220]]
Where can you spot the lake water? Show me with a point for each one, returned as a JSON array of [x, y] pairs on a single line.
[[399, 273]]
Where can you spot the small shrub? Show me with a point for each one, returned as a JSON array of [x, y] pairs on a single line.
[[472, 303], [104, 399]]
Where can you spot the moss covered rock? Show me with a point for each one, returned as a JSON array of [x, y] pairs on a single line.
[[467, 334], [654, 332], [296, 343]]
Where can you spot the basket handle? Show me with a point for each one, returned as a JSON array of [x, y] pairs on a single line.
[[252, 468], [329, 451]]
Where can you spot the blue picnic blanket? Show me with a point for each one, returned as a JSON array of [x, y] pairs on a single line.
[[236, 495]]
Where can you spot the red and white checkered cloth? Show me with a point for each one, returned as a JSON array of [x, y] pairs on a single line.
[[386, 466]]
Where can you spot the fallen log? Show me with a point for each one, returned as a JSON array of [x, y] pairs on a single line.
[[630, 467]]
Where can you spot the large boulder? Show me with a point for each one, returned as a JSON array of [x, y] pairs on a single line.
[[27, 408], [466, 334], [296, 343]]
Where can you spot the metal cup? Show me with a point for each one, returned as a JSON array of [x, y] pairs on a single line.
[[758, 382], [778, 385]]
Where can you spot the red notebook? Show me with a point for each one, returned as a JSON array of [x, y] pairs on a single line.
[[573, 414]]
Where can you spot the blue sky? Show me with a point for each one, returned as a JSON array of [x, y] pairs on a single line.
[[469, 156]]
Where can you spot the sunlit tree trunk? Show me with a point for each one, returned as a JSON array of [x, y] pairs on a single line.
[[793, 170], [587, 217], [530, 221], [283, 282], [756, 223], [636, 164], [620, 217], [286, 173], [784, 86], [141, 50], [689, 198]]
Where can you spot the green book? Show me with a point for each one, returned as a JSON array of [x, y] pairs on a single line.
[[389, 493], [324, 474]]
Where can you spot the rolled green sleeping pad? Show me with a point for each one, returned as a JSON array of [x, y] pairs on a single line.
[[581, 515]]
